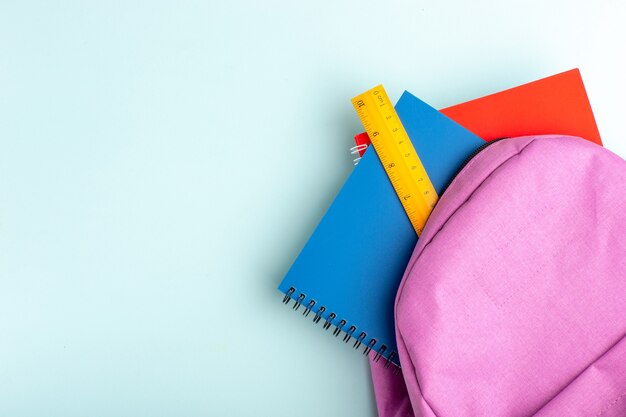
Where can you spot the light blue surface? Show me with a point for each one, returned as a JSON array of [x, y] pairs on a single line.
[[138, 273]]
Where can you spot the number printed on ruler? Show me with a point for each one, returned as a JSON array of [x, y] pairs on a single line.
[[397, 154]]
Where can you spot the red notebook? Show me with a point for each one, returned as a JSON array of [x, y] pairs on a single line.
[[556, 104]]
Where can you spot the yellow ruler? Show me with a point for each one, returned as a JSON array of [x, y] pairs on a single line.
[[397, 154]]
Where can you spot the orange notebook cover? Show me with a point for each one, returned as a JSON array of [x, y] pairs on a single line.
[[556, 104]]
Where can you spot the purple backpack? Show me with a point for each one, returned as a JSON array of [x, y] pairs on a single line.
[[514, 301]]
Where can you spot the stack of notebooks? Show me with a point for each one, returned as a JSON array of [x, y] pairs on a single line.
[[347, 274]]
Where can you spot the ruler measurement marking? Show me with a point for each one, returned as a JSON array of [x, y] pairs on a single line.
[[396, 153]]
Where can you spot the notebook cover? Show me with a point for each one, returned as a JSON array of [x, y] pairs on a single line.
[[353, 263], [557, 104]]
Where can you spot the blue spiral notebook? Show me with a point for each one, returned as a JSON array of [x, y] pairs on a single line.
[[347, 274]]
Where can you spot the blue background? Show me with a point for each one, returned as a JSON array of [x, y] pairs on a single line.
[[162, 163]]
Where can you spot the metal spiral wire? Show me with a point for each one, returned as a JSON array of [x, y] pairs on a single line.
[[360, 340]]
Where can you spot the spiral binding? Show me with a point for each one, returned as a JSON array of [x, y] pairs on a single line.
[[355, 150], [339, 327]]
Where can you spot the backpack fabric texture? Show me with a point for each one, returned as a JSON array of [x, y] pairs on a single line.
[[514, 300]]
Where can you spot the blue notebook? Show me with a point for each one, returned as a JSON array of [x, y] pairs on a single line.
[[347, 274]]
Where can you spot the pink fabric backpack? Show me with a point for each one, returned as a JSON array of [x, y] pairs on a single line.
[[514, 301]]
